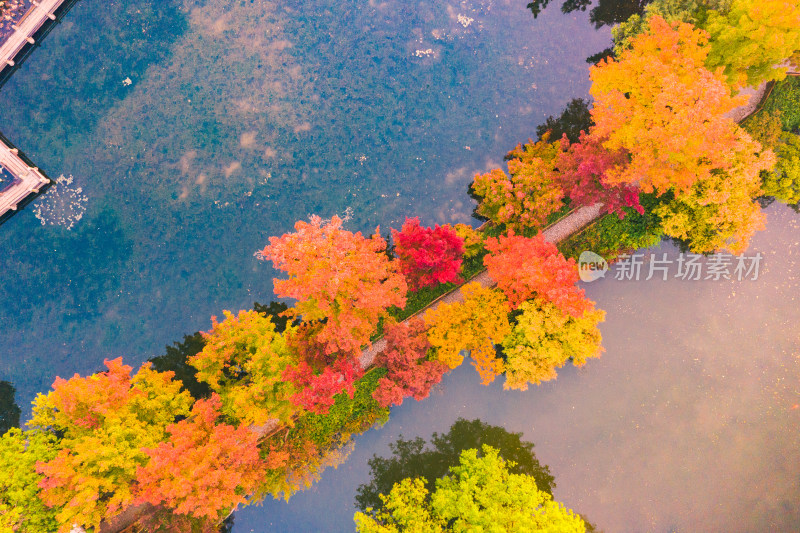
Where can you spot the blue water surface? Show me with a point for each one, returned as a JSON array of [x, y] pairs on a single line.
[[195, 130]]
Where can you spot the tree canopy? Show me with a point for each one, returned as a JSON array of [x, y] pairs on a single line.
[[480, 494], [337, 276]]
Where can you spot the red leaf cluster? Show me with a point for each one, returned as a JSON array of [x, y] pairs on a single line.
[[525, 267], [583, 168], [317, 391], [428, 256], [405, 358]]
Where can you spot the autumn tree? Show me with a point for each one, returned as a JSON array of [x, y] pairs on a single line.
[[526, 196], [766, 128], [475, 324], [784, 182], [106, 420], [21, 509], [718, 212], [526, 267], [582, 174], [660, 104], [338, 277], [204, 468], [317, 389], [748, 39], [428, 256], [473, 240], [410, 372], [243, 361], [480, 494], [544, 338], [751, 38]]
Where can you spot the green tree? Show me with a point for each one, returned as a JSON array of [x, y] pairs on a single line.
[[480, 494], [784, 182], [413, 459], [21, 509], [751, 38], [766, 128]]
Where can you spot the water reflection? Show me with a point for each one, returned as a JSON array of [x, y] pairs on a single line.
[[604, 13], [413, 459], [9, 410]]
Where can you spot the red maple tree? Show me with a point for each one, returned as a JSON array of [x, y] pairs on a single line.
[[525, 267], [428, 256], [410, 373], [318, 389], [582, 174]]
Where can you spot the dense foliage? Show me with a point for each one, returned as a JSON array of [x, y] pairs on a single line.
[[203, 466], [428, 256], [106, 421], [526, 196], [243, 361], [339, 276], [476, 324], [409, 371], [21, 507], [480, 494], [582, 173], [544, 338], [526, 267], [660, 104]]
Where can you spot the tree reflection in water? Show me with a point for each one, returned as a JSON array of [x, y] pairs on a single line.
[[413, 458]]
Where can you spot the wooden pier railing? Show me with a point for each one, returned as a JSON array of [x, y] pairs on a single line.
[[24, 30], [28, 181]]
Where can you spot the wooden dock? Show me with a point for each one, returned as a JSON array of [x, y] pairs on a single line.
[[27, 180], [31, 22]]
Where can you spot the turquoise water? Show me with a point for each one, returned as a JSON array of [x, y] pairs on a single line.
[[688, 422], [193, 131]]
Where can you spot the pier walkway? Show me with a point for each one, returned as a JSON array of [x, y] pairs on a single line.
[[27, 181]]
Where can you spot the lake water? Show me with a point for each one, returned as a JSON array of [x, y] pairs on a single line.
[[688, 422], [193, 131]]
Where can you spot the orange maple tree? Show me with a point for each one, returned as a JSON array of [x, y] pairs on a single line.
[[204, 468], [525, 267], [337, 276], [658, 102]]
